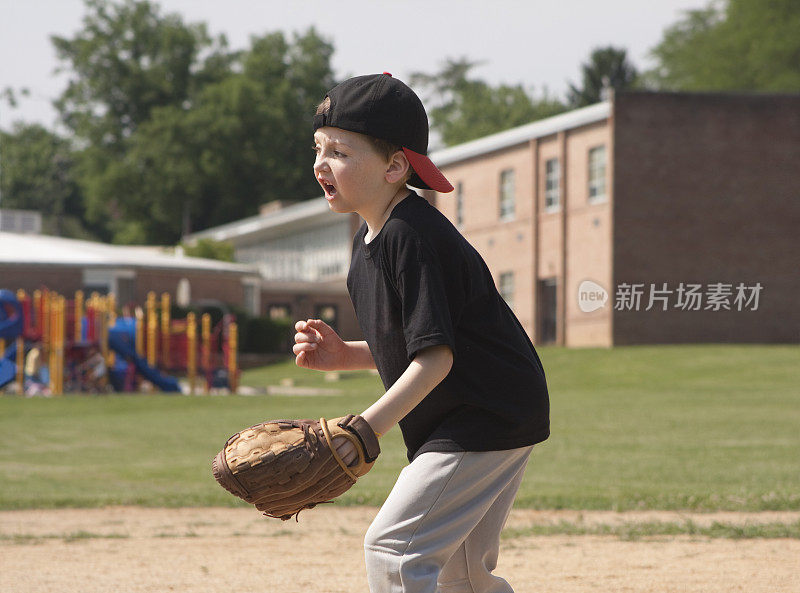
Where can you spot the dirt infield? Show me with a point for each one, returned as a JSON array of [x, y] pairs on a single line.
[[191, 550]]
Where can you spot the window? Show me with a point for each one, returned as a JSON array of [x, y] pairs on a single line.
[[459, 203], [506, 288], [507, 194], [328, 313], [326, 270], [183, 294], [552, 184], [279, 311], [597, 173], [20, 221], [105, 281], [101, 289], [31, 223], [317, 253], [252, 296], [126, 290]]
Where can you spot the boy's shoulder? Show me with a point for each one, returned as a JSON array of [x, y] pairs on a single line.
[[417, 227], [416, 217]]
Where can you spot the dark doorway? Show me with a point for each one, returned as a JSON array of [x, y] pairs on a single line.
[[548, 320]]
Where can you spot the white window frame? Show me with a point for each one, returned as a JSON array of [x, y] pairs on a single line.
[[274, 308], [252, 304], [183, 293], [597, 166], [316, 253], [505, 286], [106, 277], [20, 221], [552, 185], [508, 190]]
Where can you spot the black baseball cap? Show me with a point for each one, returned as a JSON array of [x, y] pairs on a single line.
[[382, 106]]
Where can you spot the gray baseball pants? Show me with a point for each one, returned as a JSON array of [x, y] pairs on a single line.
[[439, 529]]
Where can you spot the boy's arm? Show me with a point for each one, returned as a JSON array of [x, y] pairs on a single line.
[[425, 372], [360, 356]]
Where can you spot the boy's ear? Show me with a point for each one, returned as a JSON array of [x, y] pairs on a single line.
[[398, 168]]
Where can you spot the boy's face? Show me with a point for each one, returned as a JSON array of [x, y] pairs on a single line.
[[349, 170]]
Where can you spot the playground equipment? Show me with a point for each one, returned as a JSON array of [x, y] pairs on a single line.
[[11, 322], [62, 335]]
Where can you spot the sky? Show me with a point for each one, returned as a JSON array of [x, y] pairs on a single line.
[[537, 43]]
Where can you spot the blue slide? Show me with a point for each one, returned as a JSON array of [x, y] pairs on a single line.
[[122, 340], [10, 328]]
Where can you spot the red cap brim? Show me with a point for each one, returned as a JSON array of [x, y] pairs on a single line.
[[430, 175]]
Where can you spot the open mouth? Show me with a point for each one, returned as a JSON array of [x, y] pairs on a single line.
[[330, 190]]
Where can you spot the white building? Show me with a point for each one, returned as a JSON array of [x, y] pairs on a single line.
[[302, 251]]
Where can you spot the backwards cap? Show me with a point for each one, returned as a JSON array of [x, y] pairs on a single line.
[[381, 106]]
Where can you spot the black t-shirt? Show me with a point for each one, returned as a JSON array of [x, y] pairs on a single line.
[[419, 283]]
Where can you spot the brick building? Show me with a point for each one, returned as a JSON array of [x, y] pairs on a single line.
[[650, 218]]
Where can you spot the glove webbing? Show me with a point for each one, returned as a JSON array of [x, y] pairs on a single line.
[[326, 431]]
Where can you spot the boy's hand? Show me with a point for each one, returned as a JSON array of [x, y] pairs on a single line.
[[318, 347], [346, 450]]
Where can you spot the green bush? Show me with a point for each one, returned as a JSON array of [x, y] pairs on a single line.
[[210, 249], [264, 335]]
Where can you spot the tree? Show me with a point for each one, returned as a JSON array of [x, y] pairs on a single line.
[[128, 59], [736, 45], [607, 68], [243, 142], [38, 173], [466, 108], [179, 133]]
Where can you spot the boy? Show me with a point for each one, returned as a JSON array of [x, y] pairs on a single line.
[[462, 378]]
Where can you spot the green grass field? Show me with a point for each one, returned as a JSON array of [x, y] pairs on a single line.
[[669, 427]]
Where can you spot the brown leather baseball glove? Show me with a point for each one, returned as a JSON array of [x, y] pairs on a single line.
[[285, 466]]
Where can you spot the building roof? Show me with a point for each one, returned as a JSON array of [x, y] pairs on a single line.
[[19, 249], [507, 138], [294, 217]]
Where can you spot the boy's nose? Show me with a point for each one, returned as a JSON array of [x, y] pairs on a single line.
[[320, 164]]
